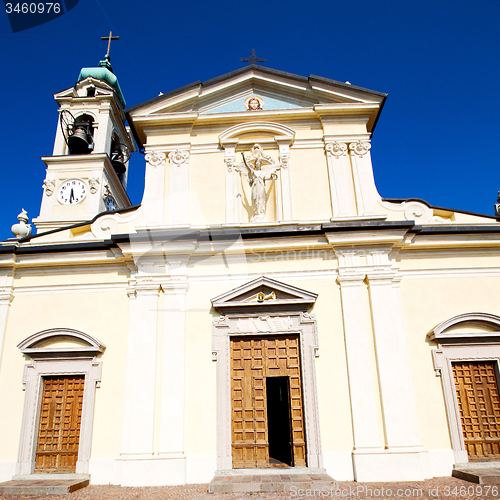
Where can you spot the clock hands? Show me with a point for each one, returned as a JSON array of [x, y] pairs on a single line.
[[71, 196]]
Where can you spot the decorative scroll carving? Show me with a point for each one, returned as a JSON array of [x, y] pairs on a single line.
[[94, 185], [220, 321], [49, 186], [154, 158], [178, 157], [360, 148], [265, 324], [336, 149], [229, 163], [284, 160], [307, 317]]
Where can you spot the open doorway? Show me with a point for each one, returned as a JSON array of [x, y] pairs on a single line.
[[278, 421]]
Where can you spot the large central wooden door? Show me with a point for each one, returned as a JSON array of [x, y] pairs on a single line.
[[59, 428], [479, 403], [253, 360]]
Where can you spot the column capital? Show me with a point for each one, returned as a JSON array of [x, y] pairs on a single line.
[[336, 149], [155, 158], [345, 279], [360, 148]]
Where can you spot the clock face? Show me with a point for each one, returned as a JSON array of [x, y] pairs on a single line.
[[110, 203], [71, 192]]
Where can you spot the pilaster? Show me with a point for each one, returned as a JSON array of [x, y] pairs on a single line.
[[229, 160], [178, 188], [359, 361], [284, 201], [6, 297], [140, 382], [154, 188], [398, 403], [340, 178], [173, 369], [364, 182]]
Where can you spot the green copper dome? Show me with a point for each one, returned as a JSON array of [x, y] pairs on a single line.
[[104, 73]]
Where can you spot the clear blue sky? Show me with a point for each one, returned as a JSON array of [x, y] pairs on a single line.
[[439, 61]]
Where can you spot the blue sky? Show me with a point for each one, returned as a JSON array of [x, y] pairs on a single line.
[[439, 61]]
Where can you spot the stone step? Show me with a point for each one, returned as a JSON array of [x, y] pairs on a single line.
[[43, 486], [276, 483], [479, 476]]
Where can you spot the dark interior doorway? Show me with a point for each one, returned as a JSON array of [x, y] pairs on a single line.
[[278, 420]]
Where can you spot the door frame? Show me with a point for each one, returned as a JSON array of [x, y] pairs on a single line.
[[467, 337], [56, 360], [302, 324]]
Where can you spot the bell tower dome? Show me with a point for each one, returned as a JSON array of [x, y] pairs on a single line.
[[88, 170]]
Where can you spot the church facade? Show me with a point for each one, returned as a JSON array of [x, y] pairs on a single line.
[[262, 307]]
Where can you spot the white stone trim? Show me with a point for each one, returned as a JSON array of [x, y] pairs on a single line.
[[46, 364]]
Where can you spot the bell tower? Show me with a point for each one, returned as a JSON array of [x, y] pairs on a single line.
[[87, 172]]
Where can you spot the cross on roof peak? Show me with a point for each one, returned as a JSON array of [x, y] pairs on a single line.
[[252, 59]]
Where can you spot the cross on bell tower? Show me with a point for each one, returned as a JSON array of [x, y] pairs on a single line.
[[107, 59]]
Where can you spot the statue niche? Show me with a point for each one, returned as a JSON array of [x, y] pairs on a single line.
[[258, 169]]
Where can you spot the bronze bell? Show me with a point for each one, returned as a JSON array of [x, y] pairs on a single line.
[[118, 162], [78, 141]]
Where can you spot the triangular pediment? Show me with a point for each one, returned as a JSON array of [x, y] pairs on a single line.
[[278, 90], [264, 293]]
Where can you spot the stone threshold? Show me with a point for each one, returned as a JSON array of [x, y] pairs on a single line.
[[479, 473], [44, 484], [274, 480]]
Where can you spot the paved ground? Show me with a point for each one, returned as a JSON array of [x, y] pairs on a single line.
[[442, 488]]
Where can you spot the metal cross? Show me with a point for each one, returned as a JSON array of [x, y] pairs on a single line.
[[109, 38], [253, 59]]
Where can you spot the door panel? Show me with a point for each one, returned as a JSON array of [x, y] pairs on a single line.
[[59, 427], [479, 403], [252, 360]]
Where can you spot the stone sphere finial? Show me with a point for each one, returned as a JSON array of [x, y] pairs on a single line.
[[21, 229]]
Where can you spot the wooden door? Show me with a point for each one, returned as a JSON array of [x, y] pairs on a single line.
[[59, 428], [479, 403], [253, 359]]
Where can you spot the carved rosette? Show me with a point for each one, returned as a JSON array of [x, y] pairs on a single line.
[[178, 157], [336, 149], [360, 148], [49, 186], [94, 185], [154, 158]]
